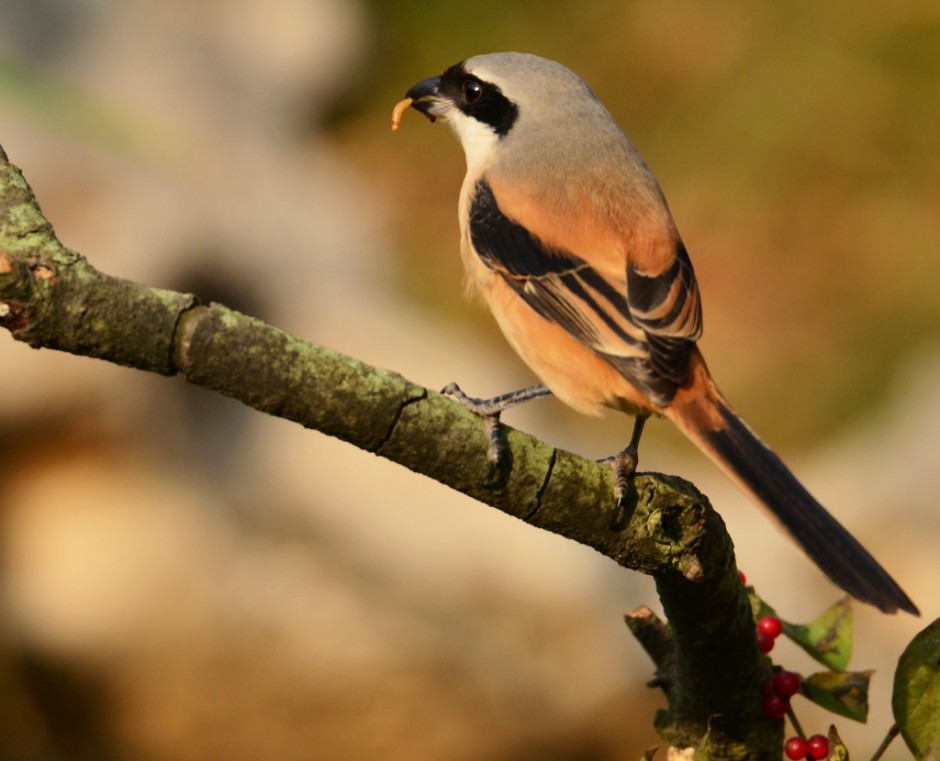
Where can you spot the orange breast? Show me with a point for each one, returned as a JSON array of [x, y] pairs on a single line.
[[576, 375]]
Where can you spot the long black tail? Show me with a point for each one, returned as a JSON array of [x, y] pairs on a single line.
[[718, 431]]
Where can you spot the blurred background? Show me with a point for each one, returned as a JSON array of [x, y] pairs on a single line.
[[182, 578]]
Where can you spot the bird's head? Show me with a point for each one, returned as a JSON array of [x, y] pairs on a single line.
[[490, 98]]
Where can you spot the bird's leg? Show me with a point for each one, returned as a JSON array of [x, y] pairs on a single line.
[[625, 461], [490, 410]]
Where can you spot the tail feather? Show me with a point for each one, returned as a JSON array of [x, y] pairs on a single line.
[[715, 428]]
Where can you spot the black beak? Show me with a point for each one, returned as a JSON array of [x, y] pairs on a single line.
[[425, 94]]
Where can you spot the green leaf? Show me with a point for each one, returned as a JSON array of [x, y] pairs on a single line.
[[844, 693], [649, 753], [916, 698], [837, 749], [828, 639], [758, 606], [704, 750]]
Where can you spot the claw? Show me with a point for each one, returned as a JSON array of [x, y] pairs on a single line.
[[490, 410], [494, 451], [624, 464]]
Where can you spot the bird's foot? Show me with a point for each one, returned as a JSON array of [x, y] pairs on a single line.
[[624, 465], [490, 410]]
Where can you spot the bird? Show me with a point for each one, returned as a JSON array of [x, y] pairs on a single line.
[[566, 233]]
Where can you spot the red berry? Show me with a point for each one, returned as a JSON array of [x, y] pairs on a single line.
[[786, 684], [743, 578], [774, 706], [770, 625], [795, 748], [818, 747], [765, 643]]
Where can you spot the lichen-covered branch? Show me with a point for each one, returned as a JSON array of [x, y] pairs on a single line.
[[53, 298]]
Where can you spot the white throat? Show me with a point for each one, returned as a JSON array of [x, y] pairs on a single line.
[[478, 139]]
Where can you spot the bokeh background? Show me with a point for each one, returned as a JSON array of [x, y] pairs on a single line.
[[182, 578]]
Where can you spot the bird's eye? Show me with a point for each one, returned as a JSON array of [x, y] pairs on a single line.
[[472, 90]]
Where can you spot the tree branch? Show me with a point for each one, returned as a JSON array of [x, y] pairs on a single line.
[[707, 660]]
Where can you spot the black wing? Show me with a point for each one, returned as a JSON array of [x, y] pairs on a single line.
[[640, 337]]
